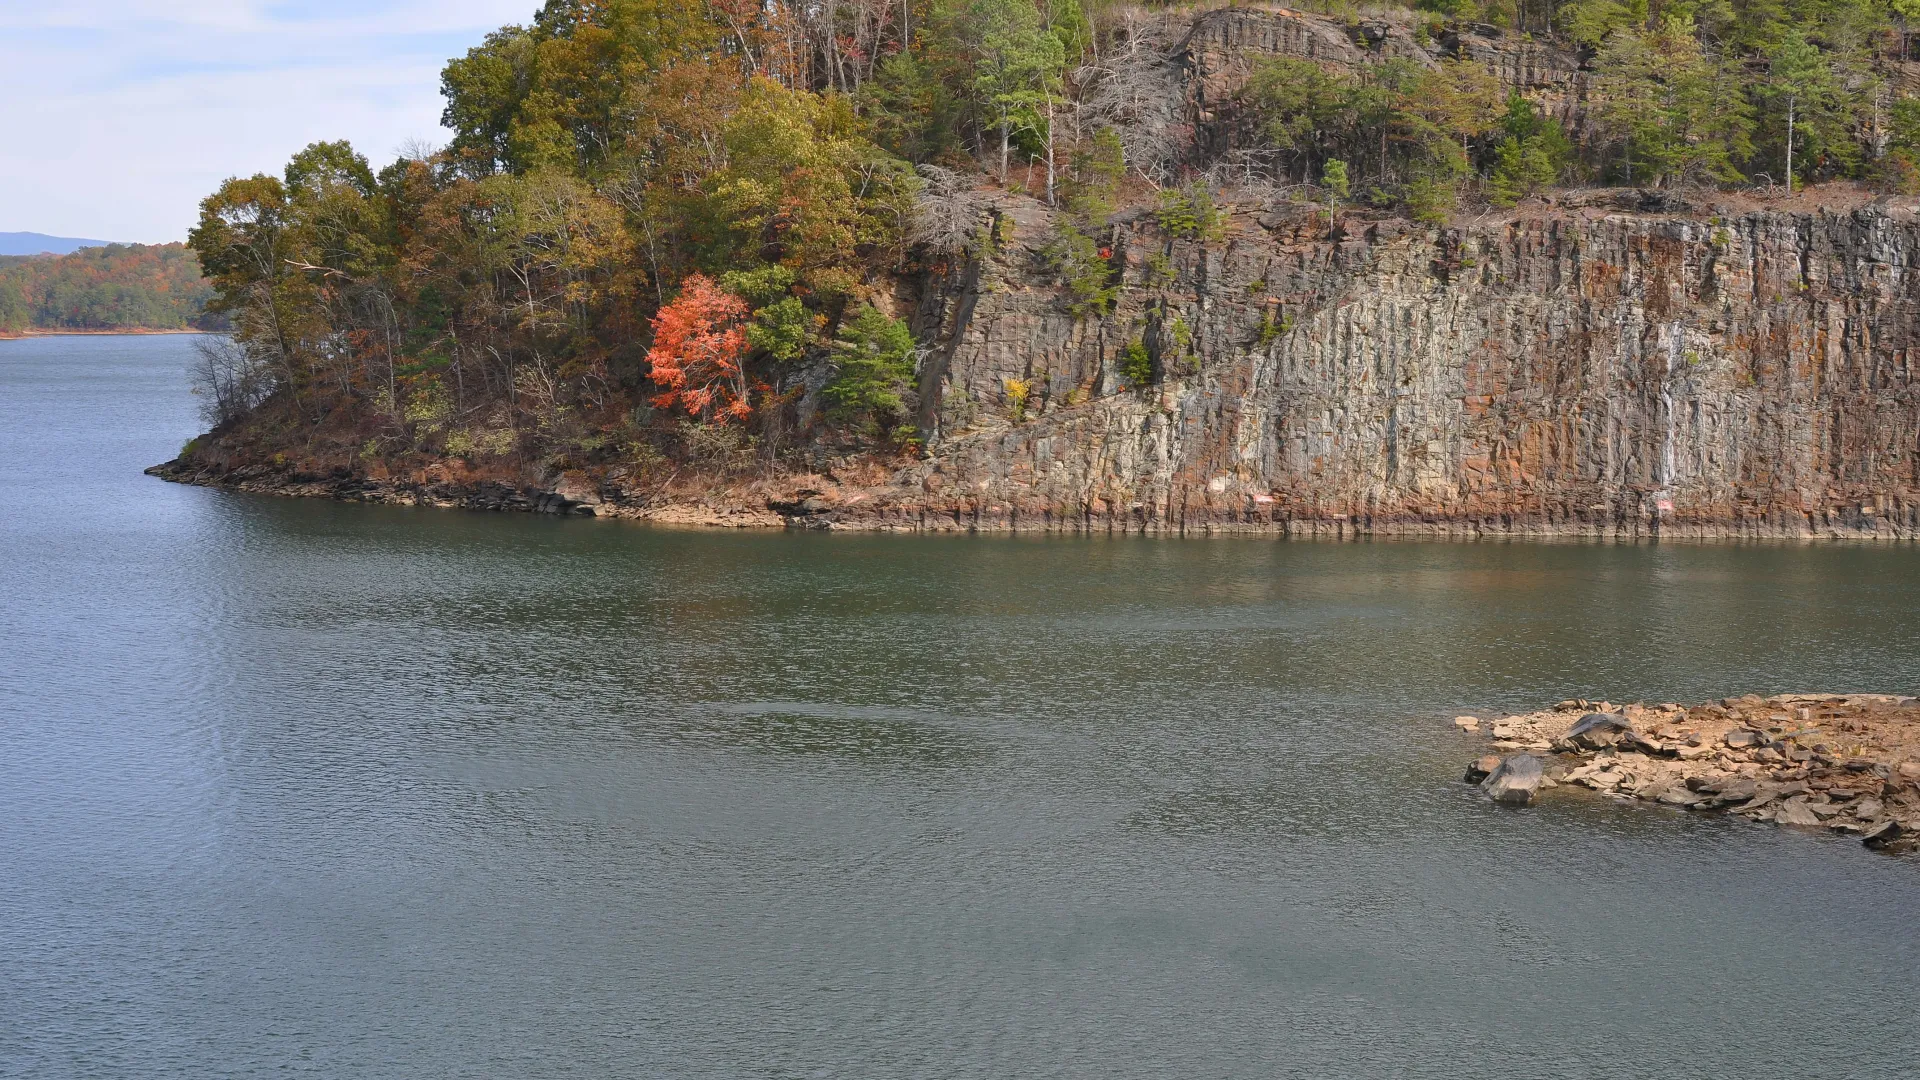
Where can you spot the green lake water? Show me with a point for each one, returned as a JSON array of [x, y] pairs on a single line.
[[295, 788]]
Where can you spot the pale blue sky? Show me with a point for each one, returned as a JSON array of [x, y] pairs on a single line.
[[118, 116]]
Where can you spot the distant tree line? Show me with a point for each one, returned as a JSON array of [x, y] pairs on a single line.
[[116, 287]]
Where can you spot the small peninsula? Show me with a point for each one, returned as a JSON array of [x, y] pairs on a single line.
[[997, 265]]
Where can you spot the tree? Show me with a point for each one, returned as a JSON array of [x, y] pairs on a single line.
[[557, 94], [1017, 65], [1135, 365], [802, 187], [1591, 22], [1461, 99], [1333, 177], [912, 110], [1531, 155], [699, 347], [1906, 13], [1679, 111], [1901, 167], [780, 327], [1799, 82], [1305, 107], [873, 366]]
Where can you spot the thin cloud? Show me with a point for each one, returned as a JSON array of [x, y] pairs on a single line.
[[131, 111]]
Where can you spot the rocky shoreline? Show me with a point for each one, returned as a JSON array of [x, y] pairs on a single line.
[[913, 498], [1848, 763]]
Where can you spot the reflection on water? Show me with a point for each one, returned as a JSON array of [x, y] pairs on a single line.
[[383, 792]]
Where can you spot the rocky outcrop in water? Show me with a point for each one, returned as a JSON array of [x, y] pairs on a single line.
[[1848, 763]]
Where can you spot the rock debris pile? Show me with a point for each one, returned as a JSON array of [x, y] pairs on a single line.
[[1843, 762]]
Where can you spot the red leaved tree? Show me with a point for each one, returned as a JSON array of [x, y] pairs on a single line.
[[699, 349]]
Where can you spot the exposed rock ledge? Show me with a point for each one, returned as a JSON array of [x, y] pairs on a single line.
[[567, 494], [1843, 762], [900, 503]]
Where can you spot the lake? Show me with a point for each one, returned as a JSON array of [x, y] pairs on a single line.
[[302, 788]]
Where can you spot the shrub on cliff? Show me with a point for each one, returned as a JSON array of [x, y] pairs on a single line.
[[873, 370], [1135, 365]]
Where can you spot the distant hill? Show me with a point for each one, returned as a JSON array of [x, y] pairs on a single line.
[[33, 243], [114, 287]]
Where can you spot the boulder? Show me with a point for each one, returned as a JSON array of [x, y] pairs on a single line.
[[1596, 731], [1795, 811], [1885, 834], [1480, 768], [1743, 738], [1467, 723], [576, 487], [1868, 809], [1767, 793], [1678, 795], [1515, 781], [1632, 742]]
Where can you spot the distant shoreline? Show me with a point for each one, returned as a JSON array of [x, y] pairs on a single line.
[[142, 330]]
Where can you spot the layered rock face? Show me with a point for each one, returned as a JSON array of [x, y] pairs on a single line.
[[1561, 370]]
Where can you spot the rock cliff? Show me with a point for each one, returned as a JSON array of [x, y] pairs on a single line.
[[1572, 369]]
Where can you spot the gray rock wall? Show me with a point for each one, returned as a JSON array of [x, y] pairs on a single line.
[[1572, 371]]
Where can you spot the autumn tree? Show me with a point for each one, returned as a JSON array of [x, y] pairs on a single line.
[[557, 93], [698, 353]]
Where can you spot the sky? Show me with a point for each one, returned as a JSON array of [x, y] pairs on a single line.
[[118, 116]]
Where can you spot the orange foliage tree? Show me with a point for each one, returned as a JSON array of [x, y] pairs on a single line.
[[699, 349]]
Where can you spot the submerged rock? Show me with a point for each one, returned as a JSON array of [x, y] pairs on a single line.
[[1480, 768]]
